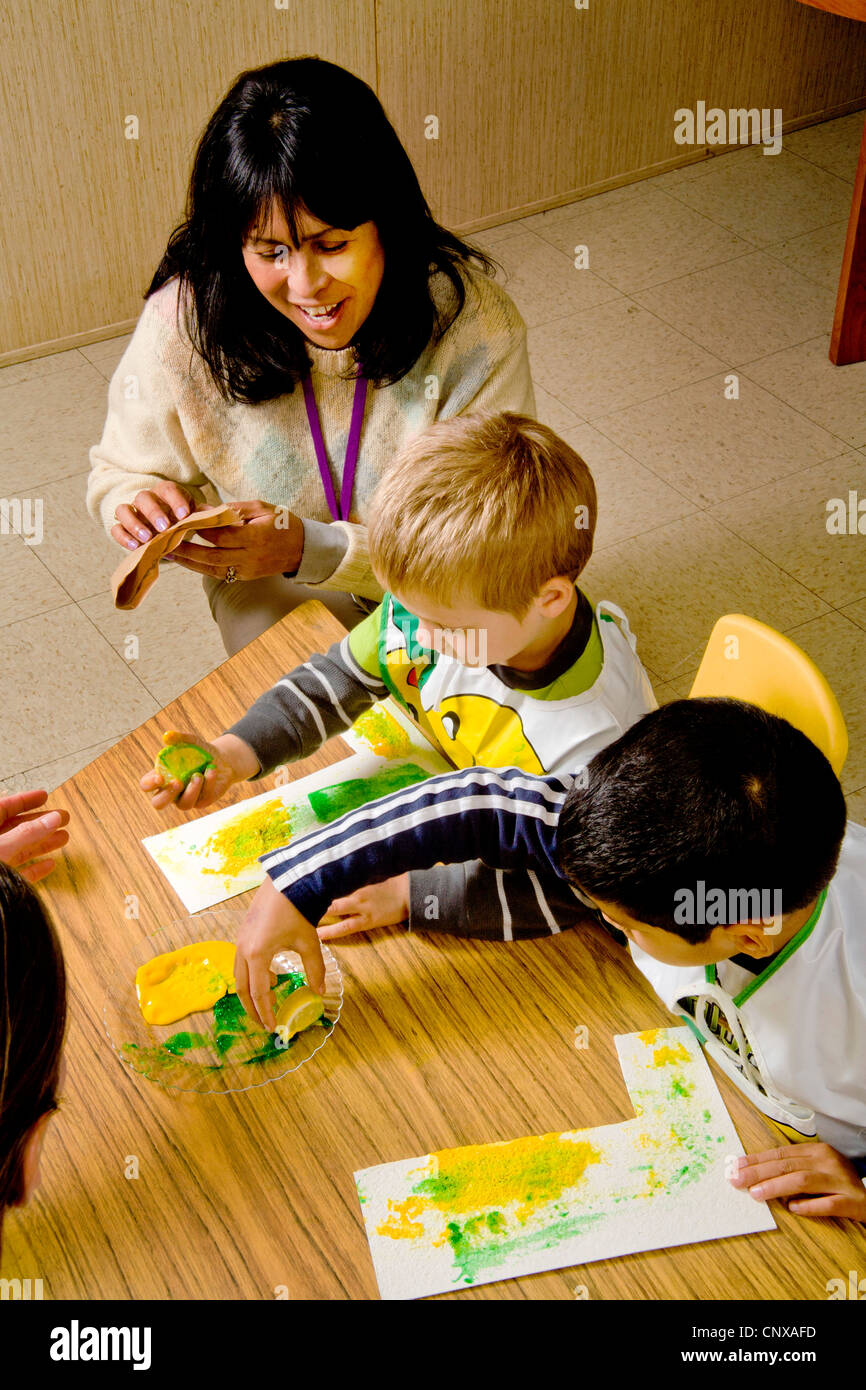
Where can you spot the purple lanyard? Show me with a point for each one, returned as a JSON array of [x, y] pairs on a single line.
[[351, 447]]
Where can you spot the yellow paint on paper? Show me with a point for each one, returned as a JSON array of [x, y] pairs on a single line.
[[649, 1036], [665, 1056], [528, 1171], [383, 733], [241, 840], [401, 1222]]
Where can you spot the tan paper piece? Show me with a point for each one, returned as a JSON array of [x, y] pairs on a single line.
[[139, 569]]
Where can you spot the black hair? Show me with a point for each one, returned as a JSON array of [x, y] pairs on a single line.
[[32, 1024], [710, 790], [305, 134]]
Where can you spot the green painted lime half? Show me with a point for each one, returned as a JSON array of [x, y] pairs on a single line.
[[182, 760]]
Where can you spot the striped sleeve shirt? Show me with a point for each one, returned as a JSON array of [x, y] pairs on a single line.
[[507, 819]]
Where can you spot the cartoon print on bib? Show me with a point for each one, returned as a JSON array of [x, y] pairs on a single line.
[[477, 720]]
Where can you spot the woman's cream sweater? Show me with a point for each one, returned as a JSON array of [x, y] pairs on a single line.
[[166, 419]]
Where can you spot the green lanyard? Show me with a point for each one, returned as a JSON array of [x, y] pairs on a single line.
[[786, 951]]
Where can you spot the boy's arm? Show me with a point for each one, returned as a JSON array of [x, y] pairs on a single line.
[[474, 900], [320, 698], [507, 818]]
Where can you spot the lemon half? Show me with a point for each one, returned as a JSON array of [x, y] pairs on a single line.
[[302, 1008]]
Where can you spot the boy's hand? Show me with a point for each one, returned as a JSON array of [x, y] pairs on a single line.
[[234, 761], [271, 925], [379, 905], [798, 1168]]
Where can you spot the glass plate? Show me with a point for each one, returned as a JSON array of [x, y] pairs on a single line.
[[196, 1064]]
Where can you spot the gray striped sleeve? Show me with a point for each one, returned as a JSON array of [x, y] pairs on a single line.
[[472, 899], [318, 700]]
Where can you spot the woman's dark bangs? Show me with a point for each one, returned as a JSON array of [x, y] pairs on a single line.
[[330, 188]]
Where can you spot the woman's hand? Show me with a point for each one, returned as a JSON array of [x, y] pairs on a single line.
[[151, 511], [271, 541], [25, 833], [234, 761], [378, 905], [815, 1179], [272, 925]]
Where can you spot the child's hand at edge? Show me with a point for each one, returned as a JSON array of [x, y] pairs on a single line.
[[804, 1168], [273, 924], [378, 905], [234, 761], [26, 833]]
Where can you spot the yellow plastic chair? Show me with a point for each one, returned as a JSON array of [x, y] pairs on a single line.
[[746, 660]]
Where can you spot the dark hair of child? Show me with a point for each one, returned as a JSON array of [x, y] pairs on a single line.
[[32, 1024], [708, 789]]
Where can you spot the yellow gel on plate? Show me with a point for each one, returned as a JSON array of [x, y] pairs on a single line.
[[186, 981]]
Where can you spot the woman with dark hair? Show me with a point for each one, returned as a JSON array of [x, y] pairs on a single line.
[[309, 257], [32, 1025]]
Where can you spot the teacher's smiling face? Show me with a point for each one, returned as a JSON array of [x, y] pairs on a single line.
[[327, 285]]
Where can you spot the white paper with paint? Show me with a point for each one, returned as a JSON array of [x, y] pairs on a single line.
[[469, 1216], [193, 856]]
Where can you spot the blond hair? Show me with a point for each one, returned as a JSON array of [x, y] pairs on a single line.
[[482, 506]]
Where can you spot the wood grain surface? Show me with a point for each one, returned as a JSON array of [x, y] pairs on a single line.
[[442, 1041]]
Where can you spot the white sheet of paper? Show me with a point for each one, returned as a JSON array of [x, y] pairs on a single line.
[[192, 860], [469, 1216]]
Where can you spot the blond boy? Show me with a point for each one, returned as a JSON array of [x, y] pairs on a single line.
[[479, 533]]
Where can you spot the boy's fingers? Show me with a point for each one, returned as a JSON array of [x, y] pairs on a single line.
[[835, 1204], [260, 993], [180, 736], [766, 1164], [789, 1184], [242, 983], [344, 927], [167, 795], [314, 967], [189, 799], [341, 907], [161, 799], [208, 789]]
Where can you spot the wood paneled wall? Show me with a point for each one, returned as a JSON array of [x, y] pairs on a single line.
[[538, 102]]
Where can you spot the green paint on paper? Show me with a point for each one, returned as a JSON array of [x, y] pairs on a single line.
[[499, 1206], [679, 1087], [475, 1252], [329, 803]]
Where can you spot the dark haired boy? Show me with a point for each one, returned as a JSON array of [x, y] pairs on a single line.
[[700, 809]]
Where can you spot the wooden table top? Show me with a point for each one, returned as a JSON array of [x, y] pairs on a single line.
[[442, 1041]]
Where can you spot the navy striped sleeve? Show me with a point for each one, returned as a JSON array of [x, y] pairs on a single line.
[[506, 818]]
